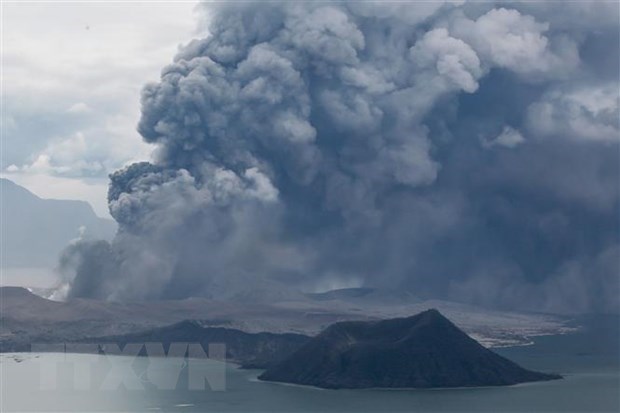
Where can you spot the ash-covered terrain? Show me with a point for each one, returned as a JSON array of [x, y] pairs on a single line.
[[28, 318]]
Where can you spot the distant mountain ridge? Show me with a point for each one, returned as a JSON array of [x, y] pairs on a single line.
[[36, 230], [250, 350], [422, 351], [27, 317]]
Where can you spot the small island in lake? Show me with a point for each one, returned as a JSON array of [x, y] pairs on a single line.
[[422, 351]]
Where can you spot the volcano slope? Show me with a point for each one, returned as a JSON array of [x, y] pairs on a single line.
[[422, 351]]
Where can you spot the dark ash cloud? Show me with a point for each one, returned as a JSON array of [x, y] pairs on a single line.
[[460, 151]]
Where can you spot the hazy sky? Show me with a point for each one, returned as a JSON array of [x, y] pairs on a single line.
[[71, 88], [466, 151]]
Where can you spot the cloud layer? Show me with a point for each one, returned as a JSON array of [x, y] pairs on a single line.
[[72, 79], [467, 151]]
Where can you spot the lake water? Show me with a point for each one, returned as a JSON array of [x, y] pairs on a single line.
[[588, 360]]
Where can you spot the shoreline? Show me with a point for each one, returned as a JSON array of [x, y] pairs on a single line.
[[255, 373]]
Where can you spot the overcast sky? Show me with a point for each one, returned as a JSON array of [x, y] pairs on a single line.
[[466, 151], [71, 88]]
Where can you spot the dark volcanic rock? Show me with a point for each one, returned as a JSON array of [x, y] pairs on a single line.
[[422, 351]]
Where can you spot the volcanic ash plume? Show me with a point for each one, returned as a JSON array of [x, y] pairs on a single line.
[[467, 151]]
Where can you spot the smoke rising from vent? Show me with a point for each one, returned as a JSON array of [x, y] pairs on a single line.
[[464, 151]]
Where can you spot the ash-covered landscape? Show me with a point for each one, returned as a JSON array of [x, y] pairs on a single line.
[[310, 206]]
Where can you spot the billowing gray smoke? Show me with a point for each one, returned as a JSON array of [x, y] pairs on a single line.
[[466, 151]]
